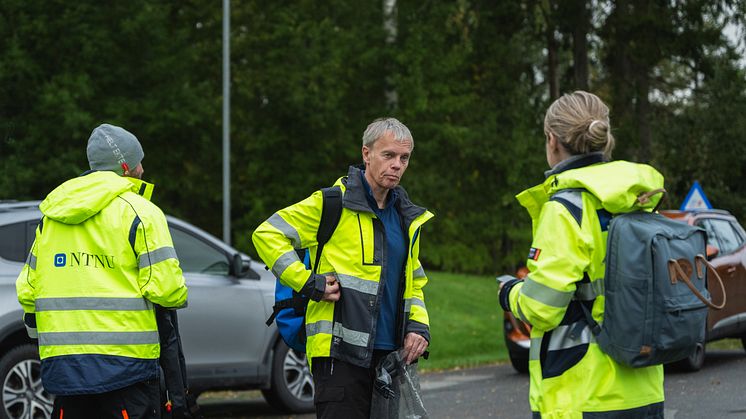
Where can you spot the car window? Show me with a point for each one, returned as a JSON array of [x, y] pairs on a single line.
[[13, 244], [737, 236], [712, 239], [197, 256], [31, 234], [721, 234], [739, 231]]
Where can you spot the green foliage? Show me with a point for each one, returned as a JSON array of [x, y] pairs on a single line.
[[704, 141], [307, 77], [466, 321]]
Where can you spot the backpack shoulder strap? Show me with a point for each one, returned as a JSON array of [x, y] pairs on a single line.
[[331, 211]]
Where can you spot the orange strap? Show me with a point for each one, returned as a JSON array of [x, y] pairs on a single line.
[[645, 197], [124, 414], [62, 412]]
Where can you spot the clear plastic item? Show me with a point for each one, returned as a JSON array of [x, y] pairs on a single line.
[[397, 390]]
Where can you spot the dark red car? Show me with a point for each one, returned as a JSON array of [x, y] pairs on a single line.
[[726, 251]]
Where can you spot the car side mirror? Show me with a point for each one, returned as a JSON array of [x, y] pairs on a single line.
[[241, 268], [711, 251]]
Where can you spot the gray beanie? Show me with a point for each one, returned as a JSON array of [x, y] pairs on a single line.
[[110, 146]]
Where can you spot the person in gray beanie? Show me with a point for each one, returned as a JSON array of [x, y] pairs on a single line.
[[102, 262], [114, 149]]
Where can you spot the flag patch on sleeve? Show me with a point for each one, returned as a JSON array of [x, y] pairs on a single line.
[[534, 253]]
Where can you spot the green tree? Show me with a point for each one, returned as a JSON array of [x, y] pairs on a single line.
[[472, 80]]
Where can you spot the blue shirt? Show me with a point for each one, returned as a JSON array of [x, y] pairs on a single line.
[[394, 256]]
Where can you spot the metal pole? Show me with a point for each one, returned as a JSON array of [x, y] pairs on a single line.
[[226, 123]]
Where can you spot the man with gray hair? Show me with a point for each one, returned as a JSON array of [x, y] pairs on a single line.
[[367, 298], [102, 259]]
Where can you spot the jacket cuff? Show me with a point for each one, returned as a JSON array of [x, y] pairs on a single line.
[[29, 320], [504, 297], [315, 287], [419, 328]]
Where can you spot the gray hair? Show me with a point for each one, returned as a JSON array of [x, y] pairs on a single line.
[[381, 126]]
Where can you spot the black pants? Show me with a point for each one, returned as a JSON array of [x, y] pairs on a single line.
[[138, 401], [343, 390]]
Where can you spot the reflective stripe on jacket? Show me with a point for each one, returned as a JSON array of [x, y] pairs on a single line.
[[102, 256], [346, 330], [570, 375]]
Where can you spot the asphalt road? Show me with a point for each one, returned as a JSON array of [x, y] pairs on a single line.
[[717, 391]]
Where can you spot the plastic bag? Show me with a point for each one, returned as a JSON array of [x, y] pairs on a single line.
[[397, 390]]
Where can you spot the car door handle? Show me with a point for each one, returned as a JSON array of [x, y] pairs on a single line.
[[731, 269]]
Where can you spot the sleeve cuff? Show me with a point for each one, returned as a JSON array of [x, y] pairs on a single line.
[[315, 287], [504, 297], [419, 328], [29, 320]]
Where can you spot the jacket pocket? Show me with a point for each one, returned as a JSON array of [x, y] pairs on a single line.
[[329, 394], [371, 240]]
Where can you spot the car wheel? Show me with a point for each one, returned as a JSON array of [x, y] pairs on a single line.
[[694, 361], [292, 384], [519, 363], [23, 395]]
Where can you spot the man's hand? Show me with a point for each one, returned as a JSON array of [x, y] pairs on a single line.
[[414, 347], [331, 292]]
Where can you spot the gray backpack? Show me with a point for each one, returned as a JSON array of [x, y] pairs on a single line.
[[655, 290]]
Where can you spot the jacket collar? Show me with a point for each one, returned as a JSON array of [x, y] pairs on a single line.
[[355, 197], [615, 184], [576, 162], [142, 188]]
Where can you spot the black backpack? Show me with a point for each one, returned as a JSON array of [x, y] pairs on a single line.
[[289, 311]]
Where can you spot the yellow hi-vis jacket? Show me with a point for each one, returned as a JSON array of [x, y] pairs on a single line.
[[569, 374], [345, 330], [102, 257]]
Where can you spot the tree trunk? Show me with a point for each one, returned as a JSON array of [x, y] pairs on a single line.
[[621, 80], [580, 44], [552, 62], [391, 28], [642, 115]]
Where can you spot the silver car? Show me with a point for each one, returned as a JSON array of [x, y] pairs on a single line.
[[226, 342]]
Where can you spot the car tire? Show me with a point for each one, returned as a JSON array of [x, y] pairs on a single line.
[[519, 363], [291, 385], [22, 393], [694, 361]]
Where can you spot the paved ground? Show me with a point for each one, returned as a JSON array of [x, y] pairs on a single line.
[[498, 392]]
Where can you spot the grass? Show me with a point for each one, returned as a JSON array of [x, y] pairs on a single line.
[[465, 321], [726, 344]]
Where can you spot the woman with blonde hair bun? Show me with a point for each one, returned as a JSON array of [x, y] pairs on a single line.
[[570, 376]]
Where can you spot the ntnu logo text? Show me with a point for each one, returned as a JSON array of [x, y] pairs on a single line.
[[84, 259]]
